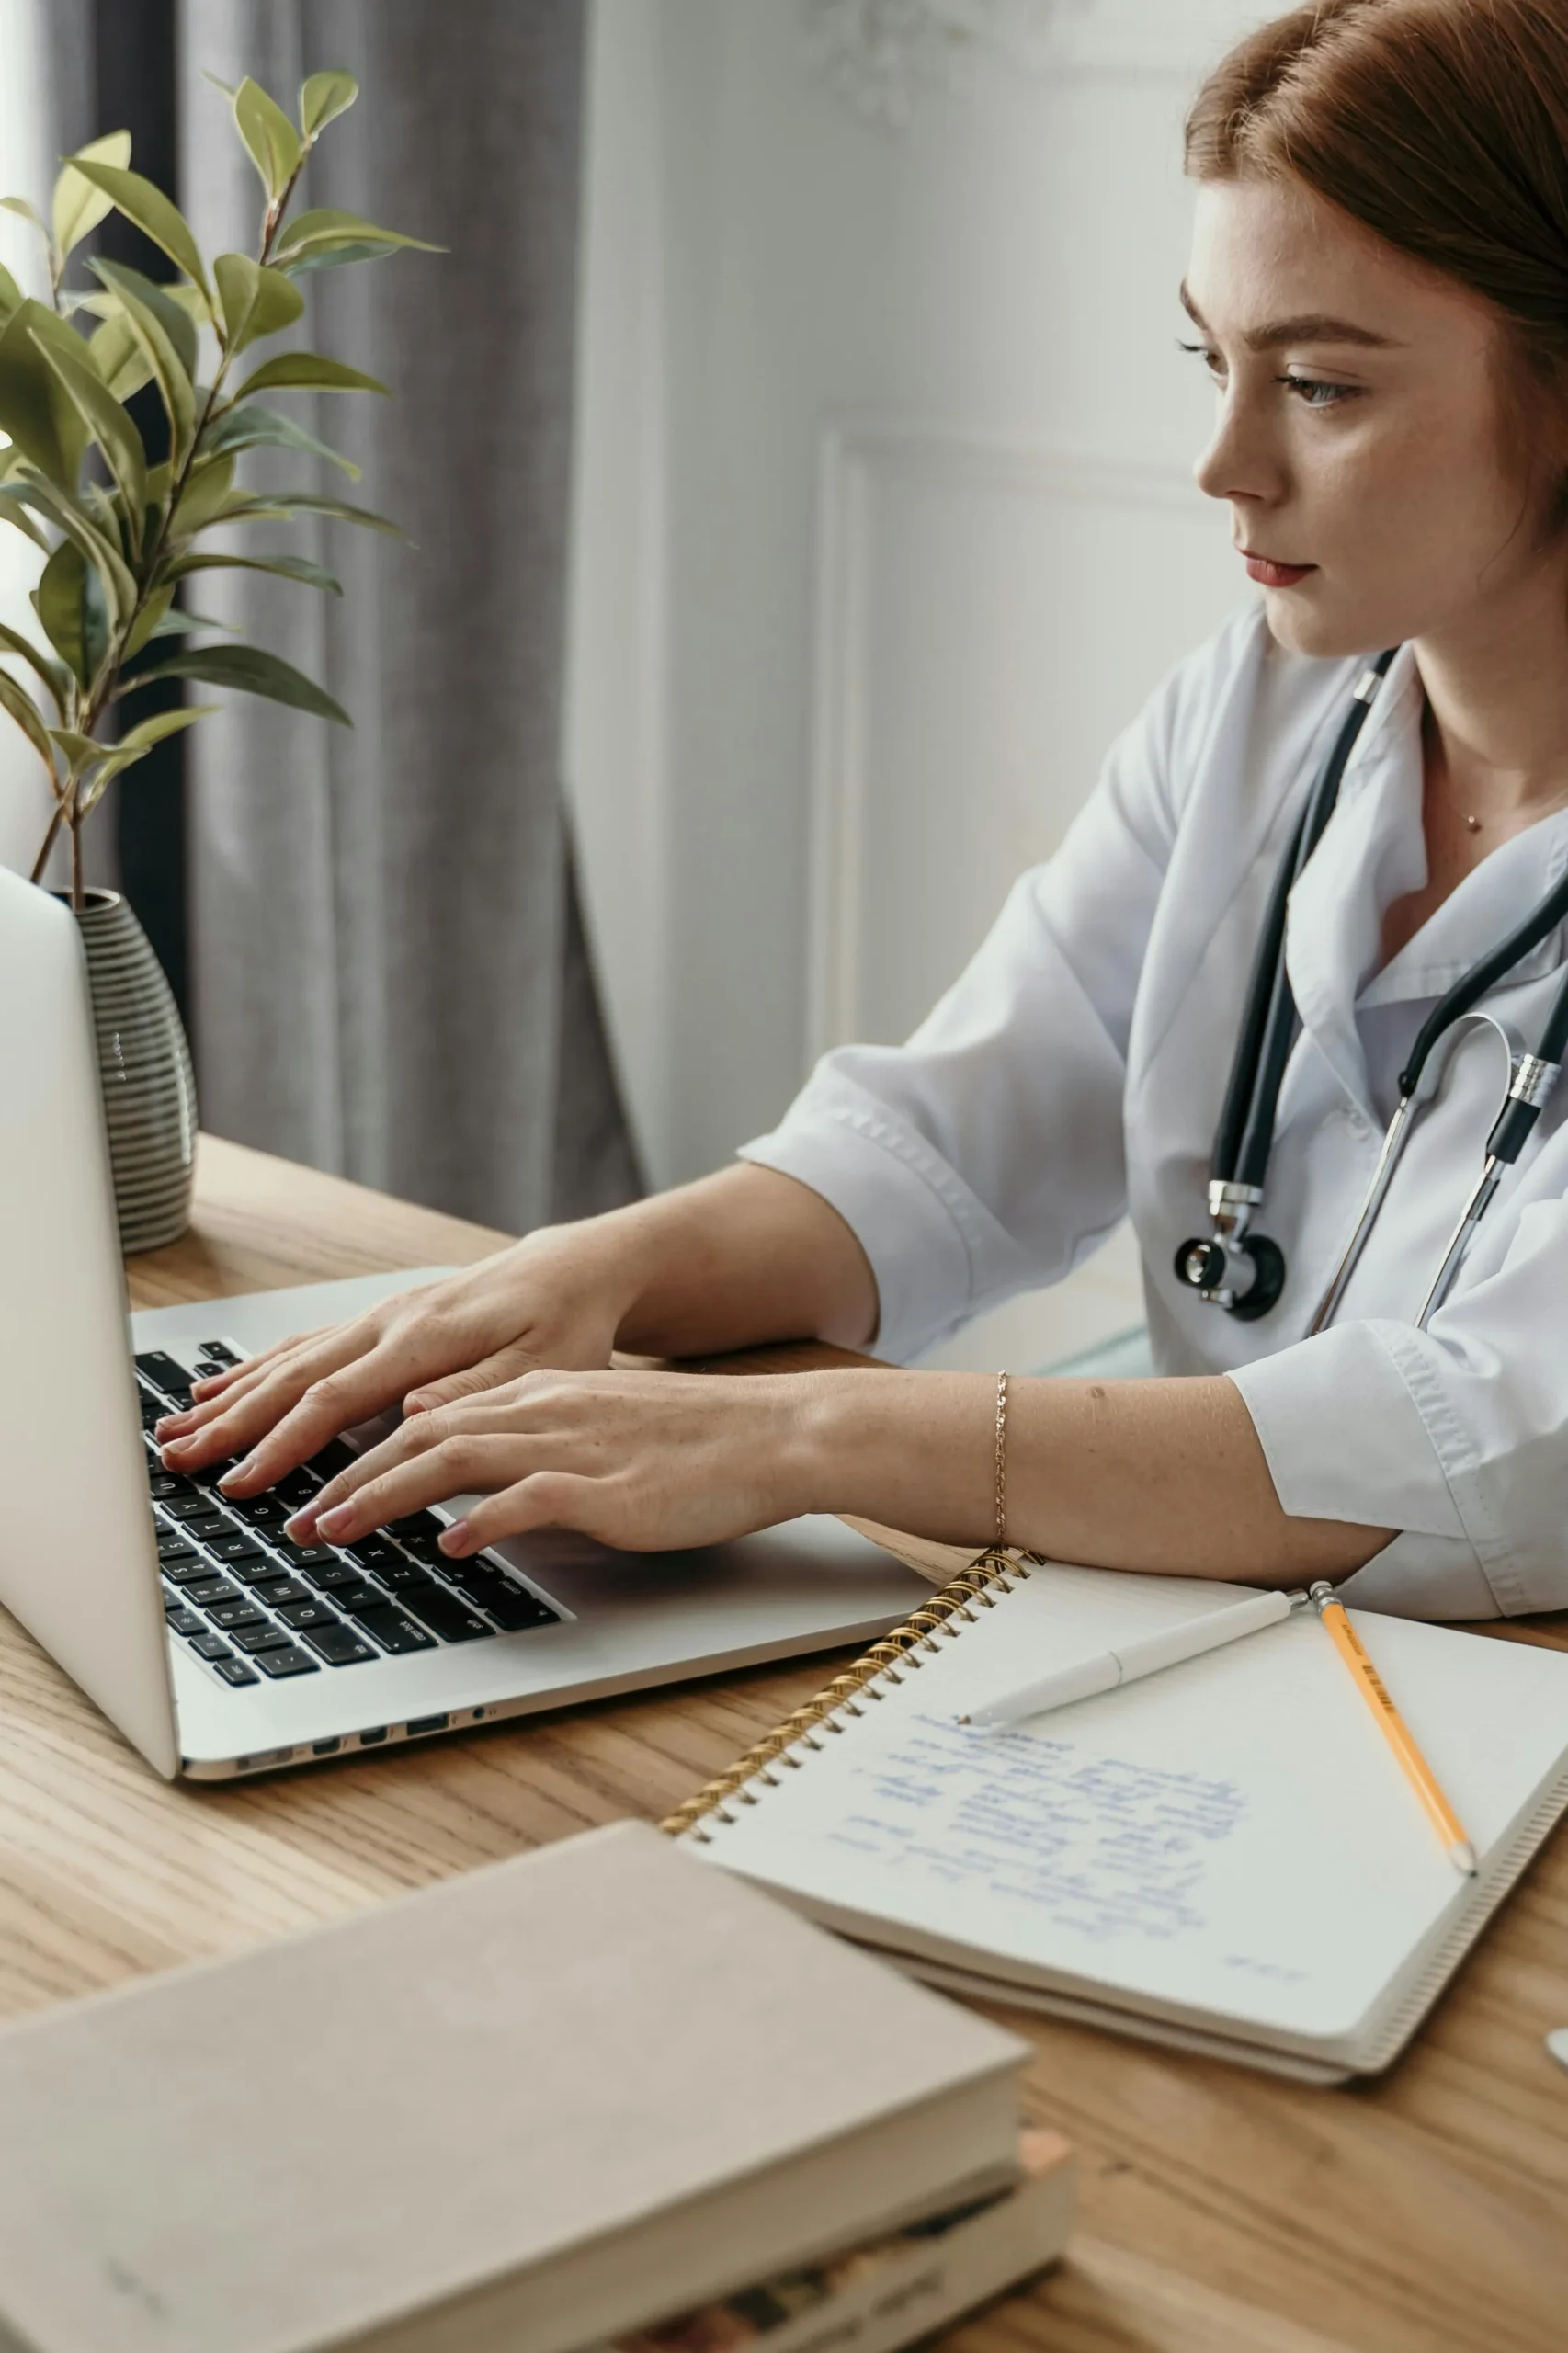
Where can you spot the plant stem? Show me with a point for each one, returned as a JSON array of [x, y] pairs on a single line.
[[48, 841], [77, 900]]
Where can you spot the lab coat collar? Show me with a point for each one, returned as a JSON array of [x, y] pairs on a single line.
[[1374, 851]]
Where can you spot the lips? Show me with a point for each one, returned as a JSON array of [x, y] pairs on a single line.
[[1269, 575]]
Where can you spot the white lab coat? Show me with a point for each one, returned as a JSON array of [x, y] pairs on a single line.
[[1073, 1074]]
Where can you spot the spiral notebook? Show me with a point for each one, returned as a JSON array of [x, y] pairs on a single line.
[[1225, 1857]]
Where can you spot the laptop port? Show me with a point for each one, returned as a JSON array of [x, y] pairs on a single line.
[[428, 1723], [368, 1739], [326, 1747]]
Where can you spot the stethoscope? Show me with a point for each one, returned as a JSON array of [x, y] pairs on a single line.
[[1244, 1272]]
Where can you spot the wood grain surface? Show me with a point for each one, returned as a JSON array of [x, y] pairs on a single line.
[[1222, 2212]]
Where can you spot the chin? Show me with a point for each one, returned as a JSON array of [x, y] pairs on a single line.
[[1303, 625]]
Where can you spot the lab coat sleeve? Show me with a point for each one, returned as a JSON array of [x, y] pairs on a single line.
[[985, 1157], [1457, 1436]]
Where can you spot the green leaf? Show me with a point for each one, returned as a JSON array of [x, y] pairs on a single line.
[[254, 427], [270, 138], [322, 98], [336, 256], [81, 752], [150, 619], [52, 676], [204, 493], [163, 354], [119, 357], [34, 409], [24, 710], [176, 623], [307, 372], [108, 426], [287, 567], [25, 212], [13, 510], [174, 316], [252, 672], [311, 231], [254, 301], [11, 295], [101, 554], [148, 732], [270, 506], [70, 606], [151, 211], [78, 205]]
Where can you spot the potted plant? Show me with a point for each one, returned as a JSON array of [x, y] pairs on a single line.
[[121, 529]]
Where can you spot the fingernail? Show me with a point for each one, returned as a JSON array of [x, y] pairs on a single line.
[[169, 1421], [174, 1446], [241, 1470], [455, 1540], [338, 1521], [302, 1527]]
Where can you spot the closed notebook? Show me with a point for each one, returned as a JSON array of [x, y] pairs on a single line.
[[528, 2109], [1224, 1856]]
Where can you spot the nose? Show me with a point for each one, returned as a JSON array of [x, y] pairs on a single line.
[[1239, 463]]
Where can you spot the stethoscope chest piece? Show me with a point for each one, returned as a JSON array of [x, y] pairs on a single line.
[[1242, 1272]]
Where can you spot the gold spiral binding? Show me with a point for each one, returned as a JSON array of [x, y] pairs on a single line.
[[992, 1569]]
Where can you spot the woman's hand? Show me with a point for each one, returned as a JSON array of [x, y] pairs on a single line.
[[556, 1299], [642, 1460]]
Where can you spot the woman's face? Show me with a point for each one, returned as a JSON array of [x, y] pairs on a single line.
[[1360, 442]]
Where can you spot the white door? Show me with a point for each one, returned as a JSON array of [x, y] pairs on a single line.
[[885, 523]]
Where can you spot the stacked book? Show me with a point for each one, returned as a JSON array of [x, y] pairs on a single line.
[[598, 2096]]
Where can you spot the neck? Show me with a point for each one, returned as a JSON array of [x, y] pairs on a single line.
[[1496, 694]]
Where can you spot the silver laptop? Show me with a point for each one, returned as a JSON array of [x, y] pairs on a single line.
[[216, 1647]]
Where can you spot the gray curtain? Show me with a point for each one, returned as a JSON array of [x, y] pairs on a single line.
[[391, 978]]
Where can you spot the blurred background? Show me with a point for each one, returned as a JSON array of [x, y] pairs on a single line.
[[797, 456]]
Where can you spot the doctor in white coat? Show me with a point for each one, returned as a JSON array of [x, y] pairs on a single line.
[[1378, 288]]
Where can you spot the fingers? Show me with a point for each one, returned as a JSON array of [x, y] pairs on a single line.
[[507, 1364], [216, 1383], [286, 1427], [454, 1466]]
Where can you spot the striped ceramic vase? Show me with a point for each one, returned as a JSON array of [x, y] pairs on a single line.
[[144, 1065]]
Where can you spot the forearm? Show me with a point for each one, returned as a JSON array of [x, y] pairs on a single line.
[[1160, 1475], [740, 1257]]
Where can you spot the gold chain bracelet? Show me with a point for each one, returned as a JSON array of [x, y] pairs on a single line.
[[1001, 1460]]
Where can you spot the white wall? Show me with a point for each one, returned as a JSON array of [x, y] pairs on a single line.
[[885, 519], [25, 170]]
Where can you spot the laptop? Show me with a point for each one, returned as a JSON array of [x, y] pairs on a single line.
[[213, 1645]]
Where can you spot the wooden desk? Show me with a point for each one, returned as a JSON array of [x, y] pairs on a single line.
[[1222, 2212]]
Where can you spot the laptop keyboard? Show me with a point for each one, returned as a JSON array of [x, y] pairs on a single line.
[[250, 1604]]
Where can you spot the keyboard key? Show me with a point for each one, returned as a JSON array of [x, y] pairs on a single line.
[[516, 1611], [372, 1552], [446, 1614], [332, 1576], [208, 1592], [232, 1615], [210, 1647], [415, 1523], [265, 1637], [156, 1366], [188, 1504], [236, 1548], [292, 1661], [397, 1575], [234, 1670], [303, 1615], [338, 1644], [212, 1473], [182, 1565], [260, 1511], [218, 1352], [204, 1526], [165, 1486], [276, 1590], [333, 1456], [356, 1596], [183, 1620], [296, 1487], [396, 1632], [311, 1556]]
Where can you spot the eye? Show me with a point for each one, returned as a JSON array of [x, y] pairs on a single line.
[[1314, 392], [1207, 353]]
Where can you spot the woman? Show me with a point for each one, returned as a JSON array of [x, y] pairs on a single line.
[[1378, 288]]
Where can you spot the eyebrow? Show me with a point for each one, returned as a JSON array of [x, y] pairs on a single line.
[[1307, 326]]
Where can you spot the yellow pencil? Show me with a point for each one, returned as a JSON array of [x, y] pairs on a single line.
[[1397, 1732]]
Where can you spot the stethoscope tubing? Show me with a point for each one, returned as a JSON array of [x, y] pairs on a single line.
[[1244, 1139]]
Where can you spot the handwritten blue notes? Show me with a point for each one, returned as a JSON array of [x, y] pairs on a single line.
[[1102, 1844]]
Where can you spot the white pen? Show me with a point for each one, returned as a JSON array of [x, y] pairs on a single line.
[[1105, 1669]]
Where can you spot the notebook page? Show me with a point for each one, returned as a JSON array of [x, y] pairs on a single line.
[[1232, 1838]]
